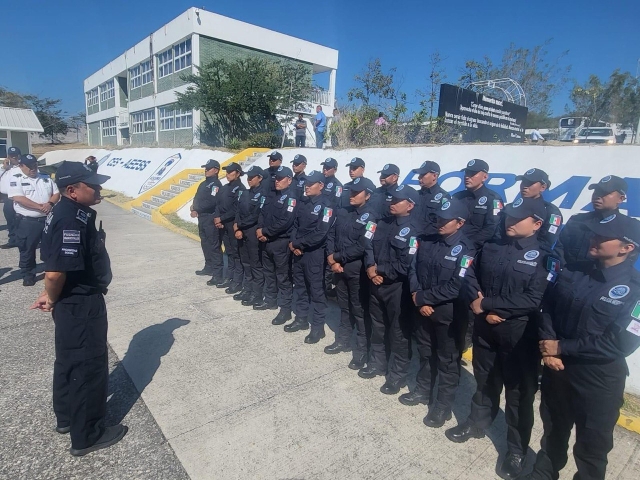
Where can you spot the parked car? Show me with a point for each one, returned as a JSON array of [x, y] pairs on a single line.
[[595, 135]]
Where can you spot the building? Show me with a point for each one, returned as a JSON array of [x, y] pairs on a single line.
[[15, 126], [130, 101]]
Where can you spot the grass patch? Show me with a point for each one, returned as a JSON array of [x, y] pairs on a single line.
[[116, 197], [631, 406], [183, 224]]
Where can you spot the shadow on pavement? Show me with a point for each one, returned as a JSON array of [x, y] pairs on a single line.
[[16, 275], [140, 362]]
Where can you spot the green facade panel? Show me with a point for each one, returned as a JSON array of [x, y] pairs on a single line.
[[109, 141], [20, 140], [177, 138], [135, 94], [122, 89], [93, 109], [93, 137], [172, 81], [142, 139]]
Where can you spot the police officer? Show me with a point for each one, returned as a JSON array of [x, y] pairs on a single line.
[[78, 273], [356, 170], [203, 208], [505, 288], [274, 229], [435, 279], [92, 163], [382, 197], [387, 258], [332, 186], [607, 196], [9, 170], [299, 163], [345, 249], [432, 196], [307, 242], [590, 323], [224, 219], [245, 227], [483, 204], [34, 195], [275, 162]]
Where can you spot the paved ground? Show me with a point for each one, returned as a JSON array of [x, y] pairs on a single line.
[[234, 396]]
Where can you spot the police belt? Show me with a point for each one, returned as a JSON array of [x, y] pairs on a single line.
[[33, 219]]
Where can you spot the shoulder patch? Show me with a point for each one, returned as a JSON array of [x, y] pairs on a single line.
[[71, 236], [370, 229], [82, 216]]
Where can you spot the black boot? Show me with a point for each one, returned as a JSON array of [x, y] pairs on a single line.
[[251, 299], [283, 316], [357, 362], [110, 436], [233, 288], [205, 272], [512, 465], [414, 398], [224, 283], [391, 388], [29, 281], [464, 432], [298, 323], [315, 336], [336, 347], [437, 416], [242, 295], [265, 305], [370, 372], [214, 281]]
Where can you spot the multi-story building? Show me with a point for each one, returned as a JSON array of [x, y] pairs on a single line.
[[131, 100]]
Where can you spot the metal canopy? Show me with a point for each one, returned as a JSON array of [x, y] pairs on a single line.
[[511, 89], [19, 120]]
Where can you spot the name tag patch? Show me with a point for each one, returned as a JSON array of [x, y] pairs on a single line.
[[69, 252], [71, 236], [82, 216]]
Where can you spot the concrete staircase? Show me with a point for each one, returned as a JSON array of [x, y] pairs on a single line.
[[148, 206]]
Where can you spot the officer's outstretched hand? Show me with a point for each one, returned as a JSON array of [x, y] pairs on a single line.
[[337, 268], [476, 305], [42, 303], [494, 319], [554, 363], [426, 310]]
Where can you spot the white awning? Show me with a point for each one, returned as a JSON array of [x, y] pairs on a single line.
[[19, 120]]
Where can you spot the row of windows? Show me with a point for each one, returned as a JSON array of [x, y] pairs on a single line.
[[175, 59], [109, 127], [175, 119], [92, 97], [143, 121], [141, 75], [107, 90]]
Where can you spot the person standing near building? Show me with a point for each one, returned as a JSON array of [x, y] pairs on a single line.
[[504, 288], [590, 323], [34, 195], [320, 126], [9, 170], [345, 256], [92, 163], [432, 196], [203, 208], [77, 274], [388, 257], [224, 219], [301, 131], [299, 163], [382, 198], [536, 136], [607, 196], [307, 243]]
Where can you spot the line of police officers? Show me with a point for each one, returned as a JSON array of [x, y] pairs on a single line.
[[437, 269]]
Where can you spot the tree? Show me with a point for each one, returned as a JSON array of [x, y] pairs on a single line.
[[430, 98], [12, 99], [50, 116], [76, 122]]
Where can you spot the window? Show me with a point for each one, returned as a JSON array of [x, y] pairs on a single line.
[[182, 55], [136, 122], [134, 73], [109, 127], [165, 63], [146, 72], [166, 118], [92, 97], [107, 90], [149, 121], [184, 119]]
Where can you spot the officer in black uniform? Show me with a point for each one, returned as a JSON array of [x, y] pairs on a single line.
[[435, 279], [345, 249], [356, 170], [246, 224], [504, 288], [224, 219], [590, 323], [382, 197], [299, 163], [332, 186], [432, 196], [607, 196], [275, 162], [78, 273], [9, 169], [483, 204], [203, 208], [387, 258], [308, 242], [274, 229]]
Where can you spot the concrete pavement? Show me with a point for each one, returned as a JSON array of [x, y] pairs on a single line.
[[238, 398]]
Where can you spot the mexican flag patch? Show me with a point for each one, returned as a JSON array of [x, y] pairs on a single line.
[[413, 242], [555, 220], [466, 261], [327, 212], [497, 204], [291, 202]]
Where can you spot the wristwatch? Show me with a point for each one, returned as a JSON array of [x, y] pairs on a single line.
[[52, 204]]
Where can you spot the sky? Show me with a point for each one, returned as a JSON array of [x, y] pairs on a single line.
[[54, 45]]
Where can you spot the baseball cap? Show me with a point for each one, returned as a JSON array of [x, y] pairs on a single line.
[[427, 167], [69, 173], [610, 184], [527, 207], [13, 152], [314, 176], [356, 162], [619, 226], [284, 172], [389, 169], [298, 159], [211, 164], [330, 163], [404, 192], [362, 183], [535, 175], [28, 160], [233, 167], [476, 165], [275, 155], [254, 171], [453, 208]]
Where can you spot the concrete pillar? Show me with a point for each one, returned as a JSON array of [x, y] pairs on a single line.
[[332, 90]]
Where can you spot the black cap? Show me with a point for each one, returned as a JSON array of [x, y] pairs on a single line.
[[13, 152], [275, 155], [298, 159], [389, 169], [69, 173], [211, 164], [233, 167], [535, 175], [476, 165], [610, 184], [427, 167], [362, 183], [314, 176], [356, 162], [28, 160], [330, 163], [284, 172], [404, 192], [453, 208], [527, 207], [254, 171], [619, 226]]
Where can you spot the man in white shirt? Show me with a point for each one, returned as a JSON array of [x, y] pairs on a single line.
[[34, 195], [536, 135], [9, 169]]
